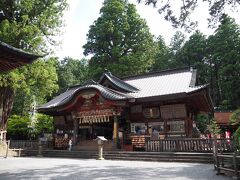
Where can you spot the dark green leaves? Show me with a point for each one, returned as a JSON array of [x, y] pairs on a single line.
[[119, 41]]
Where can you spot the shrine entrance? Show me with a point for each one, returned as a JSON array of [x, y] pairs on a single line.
[[88, 132], [93, 111], [90, 123]]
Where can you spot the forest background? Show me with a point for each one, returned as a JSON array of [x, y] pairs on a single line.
[[118, 41]]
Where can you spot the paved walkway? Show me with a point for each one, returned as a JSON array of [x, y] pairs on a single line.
[[79, 169]]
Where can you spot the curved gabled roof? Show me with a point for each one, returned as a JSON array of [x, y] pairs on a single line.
[[11, 57], [67, 96], [152, 86], [120, 84]]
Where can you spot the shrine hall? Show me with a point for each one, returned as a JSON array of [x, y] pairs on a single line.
[[127, 111]]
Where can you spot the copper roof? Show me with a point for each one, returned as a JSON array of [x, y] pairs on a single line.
[[222, 117], [11, 57]]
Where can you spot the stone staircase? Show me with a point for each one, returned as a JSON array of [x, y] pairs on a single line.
[[132, 156], [161, 156]]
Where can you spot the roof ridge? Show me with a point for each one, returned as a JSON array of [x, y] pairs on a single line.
[[118, 82], [118, 79], [89, 82], [190, 68]]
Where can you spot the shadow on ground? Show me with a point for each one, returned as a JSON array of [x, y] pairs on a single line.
[[110, 170]]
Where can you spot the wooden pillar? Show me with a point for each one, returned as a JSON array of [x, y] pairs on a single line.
[[190, 127], [165, 128], [75, 130], [115, 130], [186, 127]]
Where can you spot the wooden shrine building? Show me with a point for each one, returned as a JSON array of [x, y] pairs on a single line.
[[154, 105], [10, 58]]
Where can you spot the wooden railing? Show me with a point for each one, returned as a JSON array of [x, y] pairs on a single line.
[[187, 145], [226, 163]]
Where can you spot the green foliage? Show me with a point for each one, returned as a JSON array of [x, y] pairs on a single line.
[[28, 24], [72, 72], [39, 81], [18, 127], [186, 8], [193, 53], [224, 60], [214, 128], [119, 41], [44, 124], [202, 122], [23, 127], [217, 59], [235, 117], [162, 59], [177, 41], [237, 138], [32, 26]]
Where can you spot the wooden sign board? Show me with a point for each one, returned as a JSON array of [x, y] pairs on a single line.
[[173, 111]]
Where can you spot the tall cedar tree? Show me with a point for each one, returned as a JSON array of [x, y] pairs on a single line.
[[193, 53], [224, 60], [119, 41]]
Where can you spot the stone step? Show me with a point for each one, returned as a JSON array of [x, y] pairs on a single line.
[[161, 159], [120, 155], [144, 152], [158, 156]]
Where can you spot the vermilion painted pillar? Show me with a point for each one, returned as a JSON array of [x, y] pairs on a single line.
[[115, 130]]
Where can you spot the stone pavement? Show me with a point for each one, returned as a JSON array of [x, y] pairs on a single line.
[[90, 169]]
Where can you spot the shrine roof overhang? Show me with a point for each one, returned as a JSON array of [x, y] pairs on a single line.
[[67, 97], [198, 96], [11, 57]]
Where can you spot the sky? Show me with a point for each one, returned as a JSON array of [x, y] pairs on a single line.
[[81, 14]]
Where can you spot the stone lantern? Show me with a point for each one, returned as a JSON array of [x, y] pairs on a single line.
[[100, 140]]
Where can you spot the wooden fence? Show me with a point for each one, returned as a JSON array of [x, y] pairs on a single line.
[[226, 163], [188, 145], [27, 144], [23, 144]]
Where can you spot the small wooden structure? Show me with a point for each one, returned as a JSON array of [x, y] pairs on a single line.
[[223, 119], [130, 110]]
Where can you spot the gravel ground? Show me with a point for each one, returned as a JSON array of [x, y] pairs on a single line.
[[80, 169]]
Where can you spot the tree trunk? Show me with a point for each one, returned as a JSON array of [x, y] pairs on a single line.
[[218, 87], [6, 103]]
